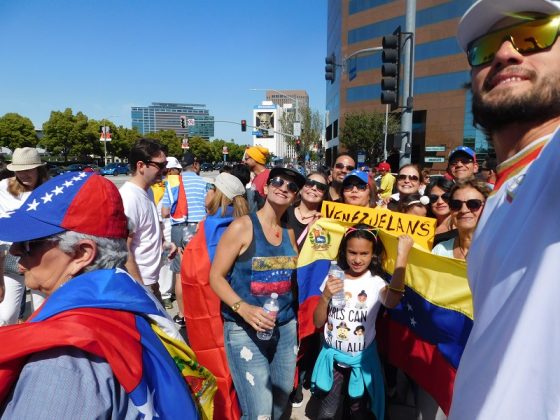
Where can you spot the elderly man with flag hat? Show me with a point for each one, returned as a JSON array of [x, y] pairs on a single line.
[[101, 346]]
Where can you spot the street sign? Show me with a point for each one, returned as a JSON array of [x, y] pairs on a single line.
[[435, 149], [190, 122], [297, 129], [185, 144], [434, 159], [361, 158], [225, 150], [256, 133]]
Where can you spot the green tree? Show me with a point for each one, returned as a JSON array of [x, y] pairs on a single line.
[[17, 131], [123, 140], [311, 128], [365, 131], [69, 135]]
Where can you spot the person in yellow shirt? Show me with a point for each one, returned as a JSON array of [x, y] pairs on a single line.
[[387, 180]]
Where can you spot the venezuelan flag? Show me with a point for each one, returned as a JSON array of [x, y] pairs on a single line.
[[425, 335], [202, 313]]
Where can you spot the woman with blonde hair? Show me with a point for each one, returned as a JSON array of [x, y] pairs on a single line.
[[29, 173]]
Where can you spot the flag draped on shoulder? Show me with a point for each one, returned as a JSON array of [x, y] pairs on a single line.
[[425, 335], [108, 314], [202, 312]]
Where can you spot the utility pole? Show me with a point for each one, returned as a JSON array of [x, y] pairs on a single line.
[[408, 77]]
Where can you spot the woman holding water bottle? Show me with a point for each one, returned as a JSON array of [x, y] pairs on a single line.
[[251, 274]]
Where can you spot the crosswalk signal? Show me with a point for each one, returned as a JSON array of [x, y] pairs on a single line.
[[183, 121], [243, 125], [330, 68], [390, 69]]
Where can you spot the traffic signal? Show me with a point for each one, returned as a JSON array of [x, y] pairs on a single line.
[[330, 68], [243, 125], [298, 145], [390, 69], [183, 121]]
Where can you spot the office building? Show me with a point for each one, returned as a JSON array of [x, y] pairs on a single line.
[[442, 116], [167, 116]]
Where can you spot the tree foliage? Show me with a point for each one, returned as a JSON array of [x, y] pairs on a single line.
[[69, 135], [311, 128], [17, 131], [364, 131]]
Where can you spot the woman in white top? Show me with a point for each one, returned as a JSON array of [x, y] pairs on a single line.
[[29, 173], [466, 201]]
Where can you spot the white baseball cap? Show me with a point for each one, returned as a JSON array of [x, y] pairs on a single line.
[[173, 163], [483, 14]]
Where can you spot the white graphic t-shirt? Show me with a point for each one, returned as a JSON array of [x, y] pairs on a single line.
[[352, 328]]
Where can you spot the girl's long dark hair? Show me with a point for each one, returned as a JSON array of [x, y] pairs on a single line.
[[362, 231]]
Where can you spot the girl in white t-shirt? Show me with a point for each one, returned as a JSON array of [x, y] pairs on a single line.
[[349, 332]]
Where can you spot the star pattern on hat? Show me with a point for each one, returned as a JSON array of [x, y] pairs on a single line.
[[58, 190], [6, 214]]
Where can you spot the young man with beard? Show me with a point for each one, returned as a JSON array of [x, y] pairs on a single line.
[[509, 369], [343, 165]]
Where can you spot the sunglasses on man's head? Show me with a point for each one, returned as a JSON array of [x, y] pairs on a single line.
[[473, 204], [277, 182], [527, 37], [434, 197], [342, 166], [310, 183], [403, 177], [360, 186]]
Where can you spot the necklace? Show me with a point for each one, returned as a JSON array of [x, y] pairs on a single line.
[[305, 217], [463, 253]]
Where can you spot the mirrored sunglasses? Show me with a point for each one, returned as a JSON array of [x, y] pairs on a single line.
[[527, 37], [277, 182], [473, 204], [310, 183]]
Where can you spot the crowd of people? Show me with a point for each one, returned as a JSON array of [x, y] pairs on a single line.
[[103, 265]]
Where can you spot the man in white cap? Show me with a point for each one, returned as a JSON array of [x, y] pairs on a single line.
[[509, 369]]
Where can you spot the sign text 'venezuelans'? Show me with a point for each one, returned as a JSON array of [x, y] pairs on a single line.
[[422, 229]]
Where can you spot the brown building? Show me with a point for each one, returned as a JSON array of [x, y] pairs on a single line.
[[442, 117]]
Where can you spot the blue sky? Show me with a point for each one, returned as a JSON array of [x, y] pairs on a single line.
[[103, 56]]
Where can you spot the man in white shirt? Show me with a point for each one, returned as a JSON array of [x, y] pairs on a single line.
[[147, 162], [509, 369]]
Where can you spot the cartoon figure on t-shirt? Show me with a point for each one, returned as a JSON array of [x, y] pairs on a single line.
[[348, 297], [362, 298], [329, 332], [360, 330], [342, 331]]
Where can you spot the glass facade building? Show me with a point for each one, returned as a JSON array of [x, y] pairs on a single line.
[[167, 116], [442, 100]]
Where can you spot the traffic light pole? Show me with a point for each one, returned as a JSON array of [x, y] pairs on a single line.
[[408, 77]]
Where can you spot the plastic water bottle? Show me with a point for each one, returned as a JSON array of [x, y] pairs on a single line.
[[337, 300], [270, 307]]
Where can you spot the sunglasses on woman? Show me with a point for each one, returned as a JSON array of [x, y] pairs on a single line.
[[310, 183], [350, 187], [434, 198], [277, 182], [410, 177], [527, 37], [473, 204]]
